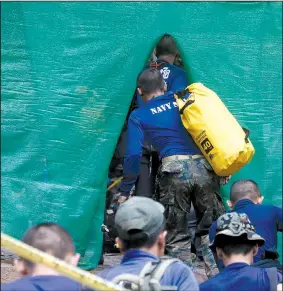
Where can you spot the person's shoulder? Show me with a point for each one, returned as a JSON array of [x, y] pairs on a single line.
[[103, 273], [268, 207], [135, 114], [177, 69], [210, 284], [182, 275], [205, 286], [179, 266], [109, 273], [19, 284]]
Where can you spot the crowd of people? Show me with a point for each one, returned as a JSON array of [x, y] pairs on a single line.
[[169, 209], [142, 238]]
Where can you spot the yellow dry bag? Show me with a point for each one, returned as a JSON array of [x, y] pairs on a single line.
[[223, 142]]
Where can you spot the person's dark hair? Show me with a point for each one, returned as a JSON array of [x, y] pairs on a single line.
[[234, 245], [141, 240], [166, 46], [244, 189], [150, 81], [50, 238]]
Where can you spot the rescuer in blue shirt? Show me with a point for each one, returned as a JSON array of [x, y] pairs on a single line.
[[176, 79], [141, 238], [184, 174], [236, 242], [245, 197], [166, 52], [56, 241]]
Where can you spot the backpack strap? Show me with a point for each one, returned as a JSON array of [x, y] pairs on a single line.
[[162, 267], [272, 275], [132, 280], [157, 273], [135, 282], [148, 278]]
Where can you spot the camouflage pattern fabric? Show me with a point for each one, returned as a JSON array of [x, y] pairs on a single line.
[[179, 183], [211, 268], [236, 224]]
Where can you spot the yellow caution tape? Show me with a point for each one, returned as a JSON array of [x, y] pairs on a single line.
[[115, 183], [34, 255]]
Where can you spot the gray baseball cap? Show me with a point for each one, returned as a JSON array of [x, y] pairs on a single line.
[[137, 217], [235, 224]]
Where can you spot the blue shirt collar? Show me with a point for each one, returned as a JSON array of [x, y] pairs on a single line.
[[134, 254], [242, 203], [236, 266], [161, 60], [160, 96]]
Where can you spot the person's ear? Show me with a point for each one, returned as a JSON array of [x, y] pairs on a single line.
[[140, 91], [154, 52], [162, 238], [219, 253], [119, 244], [20, 267], [260, 199], [161, 242], [165, 87], [255, 250], [230, 204], [74, 260]]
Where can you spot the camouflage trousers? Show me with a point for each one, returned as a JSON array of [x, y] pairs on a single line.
[[180, 182]]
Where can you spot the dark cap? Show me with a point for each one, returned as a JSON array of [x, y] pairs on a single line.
[[139, 217], [236, 225]]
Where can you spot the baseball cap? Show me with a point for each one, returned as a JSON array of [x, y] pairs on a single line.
[[236, 225], [138, 217]]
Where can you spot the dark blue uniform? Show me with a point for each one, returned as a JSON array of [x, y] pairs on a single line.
[[240, 276], [176, 79], [43, 282], [181, 181], [267, 220], [133, 261], [159, 121]]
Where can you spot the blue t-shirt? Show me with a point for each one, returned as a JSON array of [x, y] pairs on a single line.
[[174, 77], [267, 220], [42, 283], [238, 277], [178, 274], [158, 120]]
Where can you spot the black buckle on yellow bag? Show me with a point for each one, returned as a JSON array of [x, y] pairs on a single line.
[[247, 132], [181, 94]]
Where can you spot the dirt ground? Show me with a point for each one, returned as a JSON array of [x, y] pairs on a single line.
[[8, 273]]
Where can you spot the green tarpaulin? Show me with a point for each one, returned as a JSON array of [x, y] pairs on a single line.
[[68, 77]]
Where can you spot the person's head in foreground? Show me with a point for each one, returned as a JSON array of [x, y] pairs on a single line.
[[150, 84], [236, 239], [166, 49], [244, 189], [52, 239], [140, 225]]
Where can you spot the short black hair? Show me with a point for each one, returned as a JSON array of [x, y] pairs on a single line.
[[150, 81], [166, 46], [231, 245], [244, 189], [143, 241], [50, 238]]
